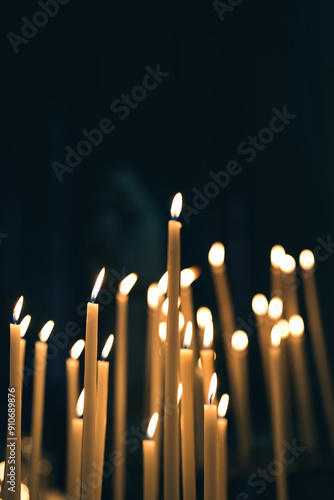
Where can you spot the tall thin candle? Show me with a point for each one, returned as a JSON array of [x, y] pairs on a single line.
[[222, 448], [210, 443], [75, 450]]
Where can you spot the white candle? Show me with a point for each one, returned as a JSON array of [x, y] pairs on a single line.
[[210, 443], [222, 448], [276, 255], [75, 450], [260, 309], [207, 358], [149, 461]]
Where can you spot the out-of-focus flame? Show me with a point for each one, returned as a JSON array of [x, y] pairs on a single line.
[[80, 404], [203, 316], [77, 349], [306, 260], [153, 296], [296, 325], [188, 335], [24, 325], [239, 340], [208, 335], [260, 304], [162, 285], [217, 254], [98, 284], [107, 347], [181, 321], [275, 336], [288, 264], [164, 307], [163, 331], [276, 255], [223, 405], [176, 207], [212, 388], [17, 309], [152, 425], [44, 334], [189, 275], [179, 392], [126, 285], [275, 308], [285, 329]]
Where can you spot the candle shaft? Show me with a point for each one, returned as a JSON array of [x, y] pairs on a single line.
[[210, 452], [101, 421], [149, 455], [72, 383], [207, 359], [75, 455], [222, 459]]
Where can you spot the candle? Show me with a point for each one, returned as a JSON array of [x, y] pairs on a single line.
[[24, 325], [89, 418], [152, 305], [187, 418], [75, 450], [199, 416], [222, 448], [288, 268], [188, 276], [149, 460], [41, 350], [240, 393], [277, 404], [285, 332], [275, 310], [72, 384], [101, 414], [276, 255], [260, 309], [307, 262], [203, 316], [302, 384], [172, 357], [120, 380], [207, 358], [210, 443]]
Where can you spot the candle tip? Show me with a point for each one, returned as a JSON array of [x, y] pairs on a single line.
[[24, 325], [163, 331], [275, 308], [189, 275], [153, 296], [287, 264], [98, 284], [296, 325], [77, 349], [212, 388], [276, 255], [176, 207], [17, 309], [203, 315], [260, 304], [306, 260], [223, 405], [107, 347]]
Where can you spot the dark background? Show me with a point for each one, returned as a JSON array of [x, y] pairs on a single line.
[[225, 77]]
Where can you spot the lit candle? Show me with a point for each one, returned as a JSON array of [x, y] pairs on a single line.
[[72, 384], [187, 418], [210, 443], [285, 332], [172, 358], [149, 460], [199, 416], [288, 268], [89, 418], [24, 325], [260, 309], [276, 255], [207, 358], [277, 404], [302, 384], [120, 382], [275, 310], [240, 393], [101, 414], [203, 316], [188, 276], [306, 260], [152, 305], [154, 302], [75, 449], [38, 395], [222, 476]]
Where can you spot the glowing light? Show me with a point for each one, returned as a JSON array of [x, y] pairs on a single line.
[[239, 340], [189, 275], [152, 425], [17, 309], [164, 307], [126, 285], [285, 329], [44, 334], [276, 255], [208, 335], [199, 363], [80, 404], [179, 392], [203, 316], [181, 321], [275, 308], [212, 388], [217, 254], [275, 336], [25, 495], [176, 207], [163, 331], [306, 260], [188, 335], [288, 264], [162, 285], [153, 296], [24, 325], [77, 349], [223, 405], [107, 347], [98, 284], [296, 325], [260, 304]]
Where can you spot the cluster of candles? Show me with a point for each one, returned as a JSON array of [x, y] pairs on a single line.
[[188, 426]]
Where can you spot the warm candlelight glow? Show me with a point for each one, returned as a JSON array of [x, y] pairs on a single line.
[[17, 309], [275, 336], [306, 260], [24, 492], [44, 334], [276, 255], [98, 284], [162, 285], [208, 335], [77, 349], [176, 207], [163, 331], [181, 321], [79, 409], [260, 304], [203, 315], [239, 340], [189, 275], [153, 296], [212, 388], [126, 285], [296, 325], [223, 405], [164, 307], [217, 254], [285, 329], [24, 325], [188, 335], [275, 308], [288, 264], [179, 392], [107, 347], [199, 363], [152, 425]]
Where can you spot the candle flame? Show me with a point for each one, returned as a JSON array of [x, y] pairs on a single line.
[[152, 425], [203, 316], [2, 471], [239, 340], [217, 254], [275, 336], [181, 321], [163, 331], [153, 296], [223, 405], [107, 347], [25, 495], [188, 335], [176, 207], [288, 264], [24, 325], [306, 260], [80, 404], [179, 392], [276, 255], [275, 309], [212, 388], [189, 275], [296, 325], [44, 334], [17, 309], [98, 284], [126, 285], [162, 285], [208, 335], [77, 349], [260, 304], [199, 363], [285, 329]]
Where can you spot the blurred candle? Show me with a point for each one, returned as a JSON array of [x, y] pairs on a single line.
[[172, 357], [152, 305], [120, 383], [260, 309], [222, 475], [203, 316], [307, 263], [75, 450], [276, 255], [149, 461], [290, 303], [210, 443], [38, 395], [24, 325], [286, 390], [207, 358], [275, 310], [188, 276]]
